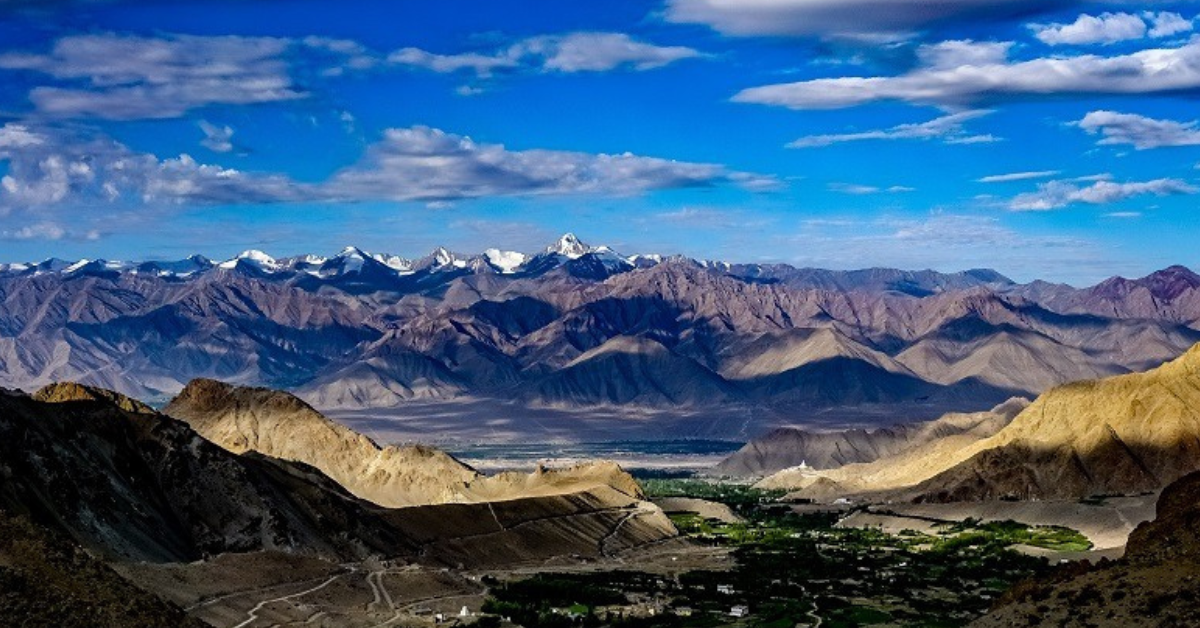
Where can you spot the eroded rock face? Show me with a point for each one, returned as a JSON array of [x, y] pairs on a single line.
[[280, 425]]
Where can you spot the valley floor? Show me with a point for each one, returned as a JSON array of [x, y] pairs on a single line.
[[468, 421], [269, 589]]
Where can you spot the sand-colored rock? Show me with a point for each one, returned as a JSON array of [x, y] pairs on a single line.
[[280, 425], [788, 447], [1123, 434], [65, 392]]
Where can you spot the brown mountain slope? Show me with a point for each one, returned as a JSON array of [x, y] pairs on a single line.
[[788, 447], [279, 425], [143, 486], [1122, 434], [1157, 583]]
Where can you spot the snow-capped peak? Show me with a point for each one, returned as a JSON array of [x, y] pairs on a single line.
[[352, 251], [505, 261], [569, 246], [394, 262], [255, 258], [442, 256], [77, 265]]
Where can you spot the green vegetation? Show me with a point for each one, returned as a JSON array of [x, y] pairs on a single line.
[[796, 569]]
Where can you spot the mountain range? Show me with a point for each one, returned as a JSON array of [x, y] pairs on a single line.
[[576, 326]]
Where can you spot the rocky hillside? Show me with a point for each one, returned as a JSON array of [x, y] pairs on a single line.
[[1157, 583], [47, 581], [279, 425], [791, 447], [132, 484], [1122, 434], [562, 326]]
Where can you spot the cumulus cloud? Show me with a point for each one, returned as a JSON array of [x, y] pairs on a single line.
[[1157, 70], [569, 53], [1018, 176], [1110, 28], [1058, 194], [841, 18], [421, 163], [127, 77], [50, 168], [1140, 131], [216, 138], [1165, 24], [948, 128], [1106, 28], [37, 231]]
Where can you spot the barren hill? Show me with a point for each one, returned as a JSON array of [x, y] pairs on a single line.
[[788, 447], [1122, 434], [137, 485], [280, 425]]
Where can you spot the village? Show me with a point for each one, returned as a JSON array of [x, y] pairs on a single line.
[[792, 566]]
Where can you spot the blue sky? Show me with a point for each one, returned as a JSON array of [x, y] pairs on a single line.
[[1050, 140]]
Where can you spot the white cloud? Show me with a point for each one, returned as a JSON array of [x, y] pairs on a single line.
[[1058, 194], [569, 53], [421, 163], [54, 168], [1158, 70], [481, 64], [146, 77], [1106, 28], [1017, 176], [37, 231], [1140, 131], [127, 77], [216, 138], [839, 18], [948, 128], [599, 52], [1165, 24], [861, 190]]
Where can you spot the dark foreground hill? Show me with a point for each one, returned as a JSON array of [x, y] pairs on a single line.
[[133, 484], [47, 581]]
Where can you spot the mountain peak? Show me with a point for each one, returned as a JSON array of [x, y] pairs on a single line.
[[569, 246], [255, 258]]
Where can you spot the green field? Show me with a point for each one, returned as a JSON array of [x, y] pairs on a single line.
[[795, 569]]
